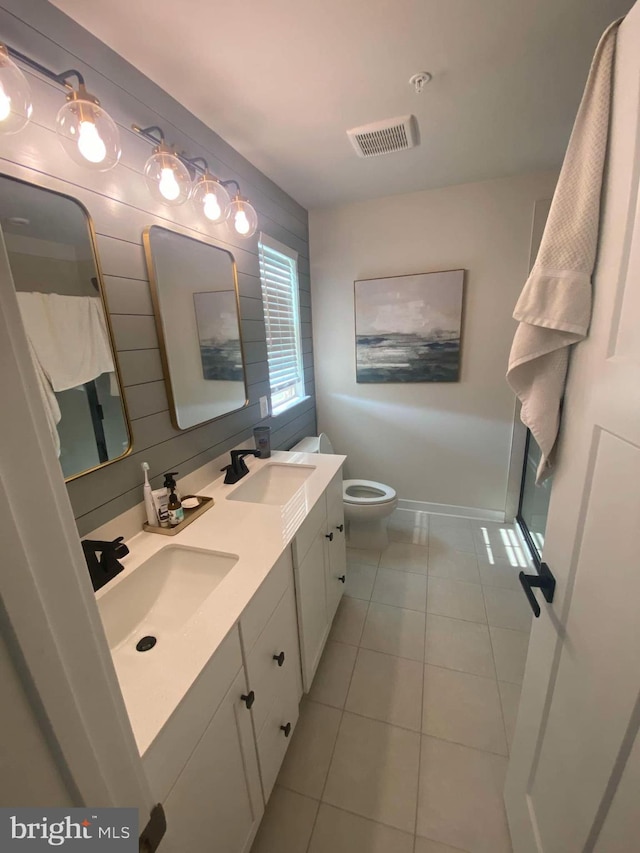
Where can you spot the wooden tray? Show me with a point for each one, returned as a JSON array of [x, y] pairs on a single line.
[[189, 516]]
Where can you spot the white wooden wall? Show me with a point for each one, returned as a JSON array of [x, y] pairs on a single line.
[[121, 208]]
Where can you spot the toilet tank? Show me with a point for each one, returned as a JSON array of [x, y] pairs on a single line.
[[314, 444]]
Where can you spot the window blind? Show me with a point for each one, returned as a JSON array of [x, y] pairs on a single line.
[[279, 280]]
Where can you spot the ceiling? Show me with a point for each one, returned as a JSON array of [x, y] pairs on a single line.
[[282, 81]]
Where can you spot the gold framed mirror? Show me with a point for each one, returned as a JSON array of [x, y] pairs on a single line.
[[194, 287], [50, 246]]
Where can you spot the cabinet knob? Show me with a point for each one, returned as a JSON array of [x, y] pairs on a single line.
[[286, 729], [329, 536], [340, 527], [249, 699], [279, 658], [342, 578]]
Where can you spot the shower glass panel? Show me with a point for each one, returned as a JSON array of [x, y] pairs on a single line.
[[534, 500]]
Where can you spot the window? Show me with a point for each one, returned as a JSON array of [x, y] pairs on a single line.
[[279, 278]]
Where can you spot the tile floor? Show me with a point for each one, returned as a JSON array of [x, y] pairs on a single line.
[[403, 741]]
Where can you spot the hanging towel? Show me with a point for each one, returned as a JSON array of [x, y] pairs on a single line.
[[68, 335], [51, 406], [554, 309]]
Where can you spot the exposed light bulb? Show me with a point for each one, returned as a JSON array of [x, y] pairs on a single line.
[[5, 104], [90, 143], [168, 185], [211, 207], [241, 222]]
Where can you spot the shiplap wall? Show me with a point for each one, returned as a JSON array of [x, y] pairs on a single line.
[[121, 208]]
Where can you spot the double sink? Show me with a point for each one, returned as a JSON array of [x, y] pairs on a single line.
[[159, 598]]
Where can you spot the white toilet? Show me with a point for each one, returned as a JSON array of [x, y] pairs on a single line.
[[367, 504]]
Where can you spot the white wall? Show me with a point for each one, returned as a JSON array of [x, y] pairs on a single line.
[[439, 443]]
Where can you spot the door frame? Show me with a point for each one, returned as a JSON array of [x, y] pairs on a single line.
[[49, 615]]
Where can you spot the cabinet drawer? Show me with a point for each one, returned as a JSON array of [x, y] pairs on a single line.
[[308, 530], [267, 678], [258, 612], [272, 743], [177, 739]]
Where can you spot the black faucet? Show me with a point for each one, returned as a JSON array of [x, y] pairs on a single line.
[[238, 468], [107, 567]]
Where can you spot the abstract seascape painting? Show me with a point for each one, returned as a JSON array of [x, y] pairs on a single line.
[[408, 327], [219, 335]]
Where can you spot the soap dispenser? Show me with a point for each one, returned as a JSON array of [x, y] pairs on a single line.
[[176, 513]]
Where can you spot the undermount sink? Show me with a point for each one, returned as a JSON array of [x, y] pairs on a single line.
[[162, 594], [276, 484]]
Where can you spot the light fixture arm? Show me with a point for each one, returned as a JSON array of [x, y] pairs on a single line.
[[228, 183], [153, 133], [194, 163], [62, 78]]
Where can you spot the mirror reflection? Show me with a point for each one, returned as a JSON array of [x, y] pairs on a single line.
[[196, 302], [50, 249]]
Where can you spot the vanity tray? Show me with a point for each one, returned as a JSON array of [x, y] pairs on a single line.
[[189, 516]]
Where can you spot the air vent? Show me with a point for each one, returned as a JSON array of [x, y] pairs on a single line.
[[383, 137]]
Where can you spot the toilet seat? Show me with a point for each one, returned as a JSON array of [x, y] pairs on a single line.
[[366, 492]]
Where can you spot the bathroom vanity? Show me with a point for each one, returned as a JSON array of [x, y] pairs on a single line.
[[239, 605]]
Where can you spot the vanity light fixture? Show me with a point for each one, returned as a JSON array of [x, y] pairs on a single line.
[[168, 178], [87, 132], [209, 195], [243, 219], [15, 95]]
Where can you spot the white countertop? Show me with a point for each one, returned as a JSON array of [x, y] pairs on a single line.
[[154, 685]]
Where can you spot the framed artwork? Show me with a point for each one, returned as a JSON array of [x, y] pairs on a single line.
[[408, 327], [219, 335]]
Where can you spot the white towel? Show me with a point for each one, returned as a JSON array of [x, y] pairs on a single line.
[[68, 335], [51, 406], [554, 309]]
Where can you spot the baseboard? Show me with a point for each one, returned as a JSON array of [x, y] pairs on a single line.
[[448, 509]]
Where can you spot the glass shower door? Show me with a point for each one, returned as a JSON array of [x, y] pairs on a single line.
[[534, 500]]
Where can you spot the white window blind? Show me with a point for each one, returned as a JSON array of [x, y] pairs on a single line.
[[279, 279]]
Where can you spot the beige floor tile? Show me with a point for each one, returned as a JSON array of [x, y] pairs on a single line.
[[407, 526], [456, 644], [374, 771], [400, 589], [287, 823], [363, 556], [455, 565], [510, 698], [337, 831], [438, 522], [460, 538], [510, 653], [500, 573], [405, 557], [460, 799], [500, 542], [333, 675], [387, 688], [360, 580], [395, 631], [307, 760], [507, 608], [349, 620], [423, 845], [456, 599], [463, 708]]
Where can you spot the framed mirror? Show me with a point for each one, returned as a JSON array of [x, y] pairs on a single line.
[[50, 247], [195, 295]]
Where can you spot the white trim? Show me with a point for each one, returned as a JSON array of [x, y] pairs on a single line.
[[277, 246], [59, 645], [448, 509]]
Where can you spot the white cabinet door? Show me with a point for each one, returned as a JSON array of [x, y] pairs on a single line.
[[312, 606], [216, 802], [336, 565]]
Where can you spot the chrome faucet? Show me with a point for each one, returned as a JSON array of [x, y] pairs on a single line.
[[238, 467]]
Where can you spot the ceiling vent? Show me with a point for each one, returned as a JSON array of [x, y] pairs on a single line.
[[383, 137]]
